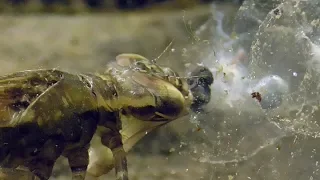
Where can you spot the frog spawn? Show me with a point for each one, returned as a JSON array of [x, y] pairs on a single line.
[[272, 89]]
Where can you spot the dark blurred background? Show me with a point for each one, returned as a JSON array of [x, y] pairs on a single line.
[[101, 5]]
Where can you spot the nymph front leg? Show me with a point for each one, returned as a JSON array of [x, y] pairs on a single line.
[[114, 142], [42, 164], [78, 162]]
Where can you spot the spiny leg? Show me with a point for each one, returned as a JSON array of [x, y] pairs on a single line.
[[121, 166], [78, 162], [42, 164], [114, 142], [41, 168]]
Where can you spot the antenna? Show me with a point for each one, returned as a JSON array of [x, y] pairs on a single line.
[[156, 59]]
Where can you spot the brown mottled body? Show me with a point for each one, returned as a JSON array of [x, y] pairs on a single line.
[[48, 113]]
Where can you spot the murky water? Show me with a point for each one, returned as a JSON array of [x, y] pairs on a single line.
[[274, 136], [238, 137]]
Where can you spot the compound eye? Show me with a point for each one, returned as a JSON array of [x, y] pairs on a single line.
[[155, 70], [140, 66]]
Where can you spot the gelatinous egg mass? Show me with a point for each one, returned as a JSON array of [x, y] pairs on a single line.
[[272, 88]]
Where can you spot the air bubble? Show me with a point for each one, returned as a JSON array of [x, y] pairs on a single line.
[[295, 74], [271, 88]]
